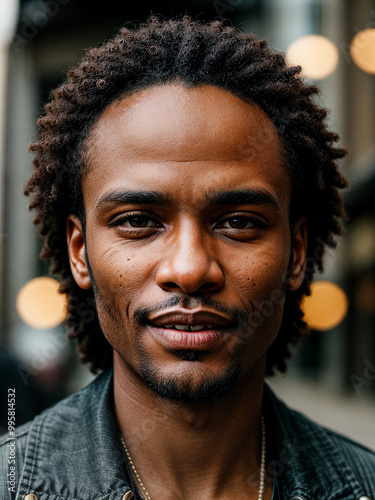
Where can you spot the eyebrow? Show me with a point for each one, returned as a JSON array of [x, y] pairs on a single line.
[[214, 199], [154, 198], [248, 196]]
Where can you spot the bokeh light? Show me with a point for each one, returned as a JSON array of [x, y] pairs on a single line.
[[362, 50], [317, 55], [40, 305], [326, 307]]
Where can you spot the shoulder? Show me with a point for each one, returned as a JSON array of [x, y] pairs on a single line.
[[322, 457], [66, 410], [12, 455], [356, 461], [348, 448], [19, 437], [53, 429], [361, 458]]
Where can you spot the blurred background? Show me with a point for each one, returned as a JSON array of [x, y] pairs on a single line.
[[332, 376]]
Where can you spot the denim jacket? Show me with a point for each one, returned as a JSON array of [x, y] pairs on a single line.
[[72, 451]]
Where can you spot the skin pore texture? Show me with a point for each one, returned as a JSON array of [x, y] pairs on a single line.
[[190, 416]]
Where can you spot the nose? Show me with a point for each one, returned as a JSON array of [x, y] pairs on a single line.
[[190, 264]]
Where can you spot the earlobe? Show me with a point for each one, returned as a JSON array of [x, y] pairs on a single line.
[[76, 250], [299, 249]]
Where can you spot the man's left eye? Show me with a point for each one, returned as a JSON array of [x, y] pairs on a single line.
[[240, 222]]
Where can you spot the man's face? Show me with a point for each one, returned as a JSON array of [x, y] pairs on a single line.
[[187, 223]]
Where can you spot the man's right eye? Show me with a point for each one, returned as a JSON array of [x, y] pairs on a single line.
[[139, 221], [135, 221]]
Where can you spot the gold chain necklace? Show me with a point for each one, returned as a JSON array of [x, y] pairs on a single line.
[[262, 469]]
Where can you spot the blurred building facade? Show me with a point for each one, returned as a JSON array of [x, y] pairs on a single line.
[[52, 35]]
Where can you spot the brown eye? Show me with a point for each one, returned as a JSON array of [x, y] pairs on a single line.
[[134, 221], [238, 222], [138, 221]]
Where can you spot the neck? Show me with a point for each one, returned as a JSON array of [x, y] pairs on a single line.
[[185, 451]]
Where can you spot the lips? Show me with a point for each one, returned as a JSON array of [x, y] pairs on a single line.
[[190, 318], [171, 338], [189, 328], [178, 329]]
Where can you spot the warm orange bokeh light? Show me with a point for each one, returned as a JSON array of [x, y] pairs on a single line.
[[40, 305], [362, 50], [317, 55], [326, 307]]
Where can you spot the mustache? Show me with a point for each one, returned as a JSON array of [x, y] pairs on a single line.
[[142, 313]]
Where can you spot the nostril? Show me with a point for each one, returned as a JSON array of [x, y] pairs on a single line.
[[170, 284]]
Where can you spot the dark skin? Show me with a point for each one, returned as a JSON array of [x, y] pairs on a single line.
[[188, 144]]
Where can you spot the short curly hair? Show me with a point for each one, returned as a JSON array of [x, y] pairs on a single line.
[[195, 53]]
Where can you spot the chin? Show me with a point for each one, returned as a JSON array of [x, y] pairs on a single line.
[[192, 384]]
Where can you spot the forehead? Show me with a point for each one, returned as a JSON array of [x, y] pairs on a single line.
[[207, 112], [190, 134]]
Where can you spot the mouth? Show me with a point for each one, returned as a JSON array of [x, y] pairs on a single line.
[[187, 328], [182, 336]]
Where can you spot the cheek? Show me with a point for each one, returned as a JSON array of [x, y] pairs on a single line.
[[260, 284], [120, 271], [268, 293], [260, 271], [120, 275], [269, 275]]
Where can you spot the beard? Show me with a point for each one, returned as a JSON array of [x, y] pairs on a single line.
[[173, 388]]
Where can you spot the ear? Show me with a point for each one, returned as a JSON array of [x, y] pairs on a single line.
[[76, 250], [299, 248]]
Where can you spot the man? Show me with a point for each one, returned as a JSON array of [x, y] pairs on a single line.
[[183, 181]]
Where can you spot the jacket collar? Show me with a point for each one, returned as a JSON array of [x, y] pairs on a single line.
[[78, 437], [307, 462]]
